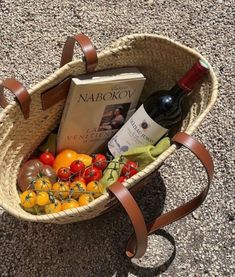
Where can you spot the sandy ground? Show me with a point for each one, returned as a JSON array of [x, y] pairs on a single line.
[[32, 35]]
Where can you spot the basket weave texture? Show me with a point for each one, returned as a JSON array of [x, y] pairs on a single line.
[[160, 59]]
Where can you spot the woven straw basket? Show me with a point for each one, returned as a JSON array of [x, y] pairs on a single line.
[[160, 59]]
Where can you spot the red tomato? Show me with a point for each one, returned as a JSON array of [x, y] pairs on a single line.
[[122, 179], [77, 167], [92, 173], [99, 161], [47, 158], [64, 173], [129, 169]]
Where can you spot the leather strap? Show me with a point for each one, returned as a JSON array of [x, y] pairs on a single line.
[[20, 93], [203, 155], [89, 51], [59, 92], [136, 217], [54, 95]]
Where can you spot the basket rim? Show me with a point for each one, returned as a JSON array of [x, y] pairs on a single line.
[[54, 77], [43, 84]]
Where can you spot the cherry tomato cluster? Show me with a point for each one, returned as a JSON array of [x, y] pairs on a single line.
[[129, 169], [77, 183], [79, 171], [60, 196]]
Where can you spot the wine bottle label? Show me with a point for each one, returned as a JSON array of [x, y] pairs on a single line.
[[139, 130]]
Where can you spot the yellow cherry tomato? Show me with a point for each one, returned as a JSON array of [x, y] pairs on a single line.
[[42, 183], [95, 186], [28, 199], [61, 189], [54, 207], [76, 188], [69, 204], [64, 159], [86, 159], [42, 198], [85, 199]]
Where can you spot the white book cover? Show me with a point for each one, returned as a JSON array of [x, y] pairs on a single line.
[[96, 108]]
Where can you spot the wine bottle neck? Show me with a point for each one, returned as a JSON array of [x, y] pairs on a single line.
[[177, 91], [193, 76]]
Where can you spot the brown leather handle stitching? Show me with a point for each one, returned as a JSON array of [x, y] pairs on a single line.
[[203, 155], [89, 51], [20, 93], [136, 217]]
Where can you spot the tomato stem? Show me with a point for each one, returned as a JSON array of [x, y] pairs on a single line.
[[69, 191]]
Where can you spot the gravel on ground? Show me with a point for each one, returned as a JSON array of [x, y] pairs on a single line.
[[32, 34]]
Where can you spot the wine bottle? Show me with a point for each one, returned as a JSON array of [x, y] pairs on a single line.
[[158, 113]]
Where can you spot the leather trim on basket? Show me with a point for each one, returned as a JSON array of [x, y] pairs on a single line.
[[55, 94]]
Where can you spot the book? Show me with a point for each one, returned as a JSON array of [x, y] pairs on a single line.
[[97, 106]]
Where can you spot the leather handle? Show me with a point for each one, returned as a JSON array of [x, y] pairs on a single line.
[[20, 93], [89, 51], [60, 91], [136, 217], [203, 155]]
